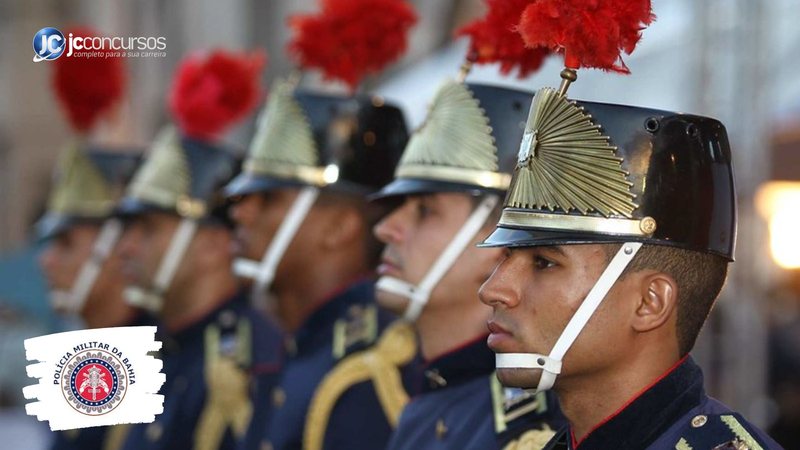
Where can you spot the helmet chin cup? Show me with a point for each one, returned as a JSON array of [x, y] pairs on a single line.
[[144, 299], [417, 299], [245, 268]]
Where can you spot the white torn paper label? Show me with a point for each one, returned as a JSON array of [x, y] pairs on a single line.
[[96, 377]]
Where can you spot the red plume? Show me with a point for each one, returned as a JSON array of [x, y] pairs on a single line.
[[590, 33], [350, 39], [211, 92], [88, 87], [495, 38]]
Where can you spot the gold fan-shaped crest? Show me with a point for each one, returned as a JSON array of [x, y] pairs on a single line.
[[455, 143], [80, 189], [284, 139], [164, 178], [566, 163]]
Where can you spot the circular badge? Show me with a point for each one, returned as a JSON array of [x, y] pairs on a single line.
[[94, 382], [48, 44]]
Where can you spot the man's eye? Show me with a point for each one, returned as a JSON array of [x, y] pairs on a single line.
[[423, 210], [542, 263]]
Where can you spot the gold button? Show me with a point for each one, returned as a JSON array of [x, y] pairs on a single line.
[[441, 429], [648, 225], [699, 420], [278, 397], [154, 432]]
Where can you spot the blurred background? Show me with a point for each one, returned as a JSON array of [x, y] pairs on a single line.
[[736, 60]]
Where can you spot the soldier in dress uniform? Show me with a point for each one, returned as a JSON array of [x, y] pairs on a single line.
[[300, 205], [217, 350], [81, 259], [619, 226], [303, 226], [447, 186]]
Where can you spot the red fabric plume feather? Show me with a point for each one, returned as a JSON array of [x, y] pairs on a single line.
[[590, 33], [495, 38], [88, 87], [350, 39], [211, 92]]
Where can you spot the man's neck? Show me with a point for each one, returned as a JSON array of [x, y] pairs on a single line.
[[590, 400], [299, 297], [442, 330], [192, 302]]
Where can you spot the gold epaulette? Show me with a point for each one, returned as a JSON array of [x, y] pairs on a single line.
[[532, 439], [381, 364], [228, 402]]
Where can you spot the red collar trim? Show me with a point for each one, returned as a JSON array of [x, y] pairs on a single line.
[[576, 443]]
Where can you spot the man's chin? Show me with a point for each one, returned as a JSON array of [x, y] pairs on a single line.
[[394, 303], [519, 378]]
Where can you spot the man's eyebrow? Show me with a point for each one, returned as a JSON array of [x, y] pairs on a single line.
[[559, 249]]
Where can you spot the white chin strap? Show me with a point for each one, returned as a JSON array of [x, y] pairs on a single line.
[[419, 294], [72, 301], [551, 365], [152, 299], [263, 272]]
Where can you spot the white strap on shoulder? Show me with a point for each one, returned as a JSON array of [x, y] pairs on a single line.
[[419, 294]]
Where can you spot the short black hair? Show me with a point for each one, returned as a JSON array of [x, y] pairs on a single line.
[[700, 277]]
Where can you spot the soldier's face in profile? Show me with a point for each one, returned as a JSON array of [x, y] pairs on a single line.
[[534, 293], [66, 253], [64, 257], [416, 233], [257, 218], [143, 245]]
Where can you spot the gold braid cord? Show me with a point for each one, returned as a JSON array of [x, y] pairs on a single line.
[[115, 436], [228, 402], [532, 439], [381, 364]]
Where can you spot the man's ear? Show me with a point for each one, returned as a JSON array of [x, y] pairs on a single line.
[[658, 300], [215, 242], [341, 227]]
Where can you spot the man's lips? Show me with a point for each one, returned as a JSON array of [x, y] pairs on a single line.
[[500, 339], [388, 267]]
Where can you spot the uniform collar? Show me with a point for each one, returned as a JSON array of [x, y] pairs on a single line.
[[470, 360], [317, 328], [194, 332], [650, 413]]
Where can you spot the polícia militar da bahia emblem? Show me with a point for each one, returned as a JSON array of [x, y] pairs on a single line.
[[94, 382]]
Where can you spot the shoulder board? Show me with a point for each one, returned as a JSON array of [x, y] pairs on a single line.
[[718, 432], [357, 330], [380, 365], [521, 418], [230, 337]]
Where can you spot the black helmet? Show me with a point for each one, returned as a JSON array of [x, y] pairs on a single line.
[[592, 173], [467, 143], [350, 144], [87, 185]]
